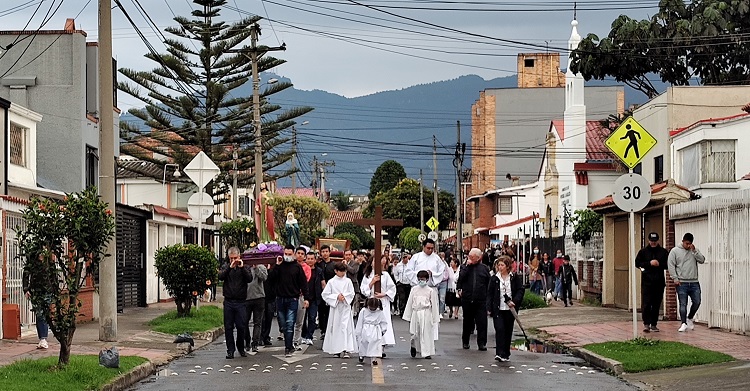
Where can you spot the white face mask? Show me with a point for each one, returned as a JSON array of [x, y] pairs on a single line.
[[288, 258], [559, 255], [536, 251], [422, 283]]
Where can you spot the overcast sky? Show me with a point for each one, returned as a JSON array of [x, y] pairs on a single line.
[[349, 49]]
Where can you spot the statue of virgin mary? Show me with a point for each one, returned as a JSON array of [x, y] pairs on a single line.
[[292, 230]]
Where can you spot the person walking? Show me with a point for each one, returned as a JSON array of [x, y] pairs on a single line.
[[426, 260], [338, 294], [300, 255], [547, 269], [326, 263], [451, 300], [652, 260], [422, 314], [403, 285], [42, 328], [471, 287], [386, 295], [256, 307], [557, 263], [236, 277], [506, 292], [567, 277], [290, 282], [315, 289], [683, 263]]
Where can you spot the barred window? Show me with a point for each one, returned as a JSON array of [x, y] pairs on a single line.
[[505, 205], [717, 161], [17, 144]]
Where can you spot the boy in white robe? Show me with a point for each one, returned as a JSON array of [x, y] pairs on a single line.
[[338, 295], [423, 316], [387, 295], [371, 328]]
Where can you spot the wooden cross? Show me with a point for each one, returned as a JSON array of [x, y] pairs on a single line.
[[379, 223]]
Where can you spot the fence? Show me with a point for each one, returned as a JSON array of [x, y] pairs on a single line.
[[14, 279], [589, 263]]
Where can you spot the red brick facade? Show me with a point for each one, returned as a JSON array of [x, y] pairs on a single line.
[[590, 275], [670, 313]]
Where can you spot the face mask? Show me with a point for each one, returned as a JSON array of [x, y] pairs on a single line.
[[536, 251], [288, 258], [559, 255], [422, 283]]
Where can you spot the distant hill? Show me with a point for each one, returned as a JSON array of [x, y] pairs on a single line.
[[360, 133]]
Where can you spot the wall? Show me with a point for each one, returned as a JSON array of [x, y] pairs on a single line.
[[545, 71], [483, 140]]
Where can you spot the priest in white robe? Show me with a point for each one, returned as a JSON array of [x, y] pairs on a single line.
[[387, 295], [422, 313], [427, 260], [338, 295]]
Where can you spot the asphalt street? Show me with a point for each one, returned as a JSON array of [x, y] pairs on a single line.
[[452, 368]]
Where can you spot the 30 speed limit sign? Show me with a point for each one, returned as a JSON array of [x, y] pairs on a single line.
[[632, 192]]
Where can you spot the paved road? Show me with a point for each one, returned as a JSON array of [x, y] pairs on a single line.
[[451, 369]]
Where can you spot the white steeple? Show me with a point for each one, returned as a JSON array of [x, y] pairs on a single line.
[[575, 122]]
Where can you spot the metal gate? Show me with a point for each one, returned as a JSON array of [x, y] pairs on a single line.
[[549, 245], [14, 278], [131, 257]]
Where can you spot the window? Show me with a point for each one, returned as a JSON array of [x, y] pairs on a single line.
[[658, 168], [717, 161], [92, 166], [690, 166], [528, 63], [476, 209], [505, 205], [17, 144]]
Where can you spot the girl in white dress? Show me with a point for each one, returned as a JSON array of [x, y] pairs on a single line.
[[338, 294], [423, 316], [372, 325], [387, 295]]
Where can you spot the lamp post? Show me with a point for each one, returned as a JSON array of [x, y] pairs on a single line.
[[175, 174]]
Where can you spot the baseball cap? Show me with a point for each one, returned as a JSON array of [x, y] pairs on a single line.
[[653, 237]]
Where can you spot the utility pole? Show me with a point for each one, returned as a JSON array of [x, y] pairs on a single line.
[[322, 165], [108, 267], [458, 163], [235, 196], [435, 186], [421, 202], [294, 160]]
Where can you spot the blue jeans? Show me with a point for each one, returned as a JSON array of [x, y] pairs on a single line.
[[442, 289], [286, 310], [42, 329], [685, 290], [310, 326]]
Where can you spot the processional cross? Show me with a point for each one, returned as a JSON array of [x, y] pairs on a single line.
[[379, 223]]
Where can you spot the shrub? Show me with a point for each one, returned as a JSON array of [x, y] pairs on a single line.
[[240, 233], [187, 270], [354, 242], [532, 300]]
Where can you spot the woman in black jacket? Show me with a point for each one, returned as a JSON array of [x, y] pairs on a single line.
[[505, 292]]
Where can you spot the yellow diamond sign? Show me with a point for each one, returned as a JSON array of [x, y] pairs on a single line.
[[432, 223], [630, 142]]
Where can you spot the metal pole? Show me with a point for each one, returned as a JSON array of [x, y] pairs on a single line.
[[294, 160], [435, 186], [459, 218], [235, 196], [254, 32], [631, 258], [108, 267], [421, 203]]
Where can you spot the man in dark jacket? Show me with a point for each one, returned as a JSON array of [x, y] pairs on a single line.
[[290, 281], [315, 290], [567, 276], [236, 277], [652, 260], [473, 282]]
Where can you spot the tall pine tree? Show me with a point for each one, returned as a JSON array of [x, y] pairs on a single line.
[[192, 102]]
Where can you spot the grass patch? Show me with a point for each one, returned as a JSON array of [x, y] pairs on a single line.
[[591, 302], [206, 317], [644, 354], [532, 300], [82, 373]]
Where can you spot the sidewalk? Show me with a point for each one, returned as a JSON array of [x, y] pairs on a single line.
[[133, 339]]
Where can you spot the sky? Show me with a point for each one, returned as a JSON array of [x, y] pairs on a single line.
[[344, 47]]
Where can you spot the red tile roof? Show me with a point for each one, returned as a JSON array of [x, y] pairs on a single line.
[[171, 212], [596, 135], [560, 126], [708, 121], [15, 199], [516, 222], [337, 217], [302, 192]]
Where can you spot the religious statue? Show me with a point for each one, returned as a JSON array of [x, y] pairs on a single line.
[[264, 216], [292, 230]]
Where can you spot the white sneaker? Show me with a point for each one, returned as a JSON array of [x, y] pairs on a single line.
[[683, 327], [42, 344], [690, 324]]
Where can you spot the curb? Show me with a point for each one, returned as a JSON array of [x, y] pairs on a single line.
[[602, 362], [147, 369]]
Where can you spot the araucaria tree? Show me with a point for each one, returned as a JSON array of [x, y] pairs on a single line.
[[63, 243], [193, 100], [703, 39]]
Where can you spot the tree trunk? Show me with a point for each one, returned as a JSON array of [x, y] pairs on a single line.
[[66, 341], [183, 307]]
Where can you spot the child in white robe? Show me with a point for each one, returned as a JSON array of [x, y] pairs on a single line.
[[387, 295], [371, 328], [338, 294], [423, 316]]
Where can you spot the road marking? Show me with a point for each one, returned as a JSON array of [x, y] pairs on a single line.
[[377, 373], [295, 357]]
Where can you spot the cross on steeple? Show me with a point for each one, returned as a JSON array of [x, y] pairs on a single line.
[[575, 10], [379, 223]]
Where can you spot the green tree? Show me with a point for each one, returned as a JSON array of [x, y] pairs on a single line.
[[342, 201], [192, 101], [308, 211], [586, 223], [359, 231], [57, 272], [402, 202], [186, 270], [408, 239], [701, 39], [354, 242], [386, 177], [239, 233]]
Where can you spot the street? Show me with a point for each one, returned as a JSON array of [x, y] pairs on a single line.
[[450, 369]]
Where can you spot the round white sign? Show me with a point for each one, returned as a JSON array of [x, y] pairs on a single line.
[[200, 206], [632, 192], [422, 237], [433, 235]]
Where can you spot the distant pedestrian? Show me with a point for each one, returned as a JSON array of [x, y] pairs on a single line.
[[451, 300], [289, 279], [42, 328], [535, 275], [338, 294], [352, 270], [236, 277], [567, 276], [422, 314], [683, 263], [403, 286], [256, 307], [472, 285], [557, 263], [300, 256], [506, 291], [315, 290], [372, 326], [547, 269], [652, 260]]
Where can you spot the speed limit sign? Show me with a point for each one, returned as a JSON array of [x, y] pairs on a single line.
[[632, 192]]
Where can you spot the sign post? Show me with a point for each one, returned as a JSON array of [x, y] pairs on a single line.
[[201, 170], [632, 192]]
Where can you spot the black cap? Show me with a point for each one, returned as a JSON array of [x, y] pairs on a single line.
[[688, 237], [653, 237]]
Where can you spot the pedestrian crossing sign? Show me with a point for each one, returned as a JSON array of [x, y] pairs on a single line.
[[630, 142], [432, 223]]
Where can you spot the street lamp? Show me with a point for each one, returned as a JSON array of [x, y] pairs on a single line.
[[175, 174]]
